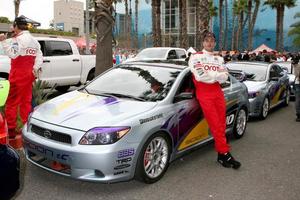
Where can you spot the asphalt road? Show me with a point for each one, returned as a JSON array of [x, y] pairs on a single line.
[[269, 153]]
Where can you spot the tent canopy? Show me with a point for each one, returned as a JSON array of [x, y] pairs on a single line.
[[261, 48]]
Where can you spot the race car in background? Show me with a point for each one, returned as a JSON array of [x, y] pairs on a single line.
[[268, 86]]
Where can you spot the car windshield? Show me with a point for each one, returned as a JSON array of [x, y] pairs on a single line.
[[253, 72], [139, 82], [152, 53]]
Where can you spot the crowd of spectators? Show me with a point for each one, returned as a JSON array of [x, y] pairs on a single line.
[[263, 56]]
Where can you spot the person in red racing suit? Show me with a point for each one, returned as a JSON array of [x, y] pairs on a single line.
[[208, 72], [26, 59]]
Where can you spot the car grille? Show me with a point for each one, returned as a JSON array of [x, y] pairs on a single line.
[[51, 135]]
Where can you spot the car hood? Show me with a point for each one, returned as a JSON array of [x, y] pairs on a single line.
[[84, 111], [254, 85]]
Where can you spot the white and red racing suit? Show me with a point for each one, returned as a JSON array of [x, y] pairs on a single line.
[[208, 72], [26, 56]]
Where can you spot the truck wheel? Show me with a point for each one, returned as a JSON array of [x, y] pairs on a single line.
[[91, 75], [64, 88]]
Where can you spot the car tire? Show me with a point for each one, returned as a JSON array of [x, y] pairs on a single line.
[[264, 109], [240, 124], [287, 98], [63, 89], [153, 160]]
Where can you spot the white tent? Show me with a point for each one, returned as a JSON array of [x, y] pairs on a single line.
[[261, 48]]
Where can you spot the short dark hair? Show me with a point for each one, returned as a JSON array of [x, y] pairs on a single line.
[[209, 34]]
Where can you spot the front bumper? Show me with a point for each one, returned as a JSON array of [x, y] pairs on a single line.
[[255, 106], [101, 163]]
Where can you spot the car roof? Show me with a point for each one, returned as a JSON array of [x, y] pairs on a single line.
[[160, 63], [266, 64], [176, 48], [52, 39]]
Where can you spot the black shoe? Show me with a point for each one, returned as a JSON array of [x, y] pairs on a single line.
[[226, 160], [298, 118]]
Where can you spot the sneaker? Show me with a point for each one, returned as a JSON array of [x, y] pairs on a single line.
[[226, 160]]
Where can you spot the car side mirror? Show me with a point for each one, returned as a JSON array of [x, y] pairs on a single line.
[[183, 96]]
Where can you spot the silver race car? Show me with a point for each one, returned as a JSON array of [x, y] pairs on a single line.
[[131, 121], [268, 85]]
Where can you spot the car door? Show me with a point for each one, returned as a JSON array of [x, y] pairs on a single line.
[[65, 67], [231, 93], [192, 126], [275, 85]]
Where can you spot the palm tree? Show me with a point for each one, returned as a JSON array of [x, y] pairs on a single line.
[[104, 22], [280, 5], [136, 23], [183, 37], [17, 7], [252, 21], [156, 29], [295, 30], [240, 7], [221, 25], [202, 21], [212, 13], [226, 25]]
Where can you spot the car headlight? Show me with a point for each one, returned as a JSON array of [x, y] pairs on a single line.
[[103, 135], [252, 95]]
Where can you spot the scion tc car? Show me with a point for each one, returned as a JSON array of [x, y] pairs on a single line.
[[131, 121], [268, 86]]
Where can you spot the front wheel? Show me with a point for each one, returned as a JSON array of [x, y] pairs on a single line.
[[240, 124], [287, 98], [265, 108], [154, 159]]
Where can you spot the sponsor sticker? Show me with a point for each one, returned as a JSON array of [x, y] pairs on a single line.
[[121, 172], [121, 166], [126, 153], [124, 160]]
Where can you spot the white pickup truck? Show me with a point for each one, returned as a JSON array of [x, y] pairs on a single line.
[[63, 66]]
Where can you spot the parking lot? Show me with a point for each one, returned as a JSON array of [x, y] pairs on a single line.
[[269, 153]]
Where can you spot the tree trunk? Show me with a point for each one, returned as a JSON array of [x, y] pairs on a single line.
[[277, 27], [17, 7], [104, 24], [281, 47], [252, 25], [239, 31], [183, 37], [136, 23], [127, 24], [249, 23], [156, 29], [220, 25], [226, 26], [202, 17]]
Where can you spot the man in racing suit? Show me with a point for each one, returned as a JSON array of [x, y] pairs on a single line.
[[26, 59], [208, 72]]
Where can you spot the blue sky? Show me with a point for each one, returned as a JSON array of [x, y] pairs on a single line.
[[42, 11]]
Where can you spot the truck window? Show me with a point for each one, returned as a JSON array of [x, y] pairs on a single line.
[[60, 48], [42, 43]]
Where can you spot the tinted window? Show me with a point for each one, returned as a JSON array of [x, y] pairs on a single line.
[[253, 72], [180, 54], [172, 54], [43, 47], [60, 48], [152, 53], [146, 82]]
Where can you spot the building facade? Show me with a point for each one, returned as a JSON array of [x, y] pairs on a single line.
[[170, 22], [69, 16]]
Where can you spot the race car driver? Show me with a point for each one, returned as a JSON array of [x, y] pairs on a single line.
[[208, 72], [26, 59]]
